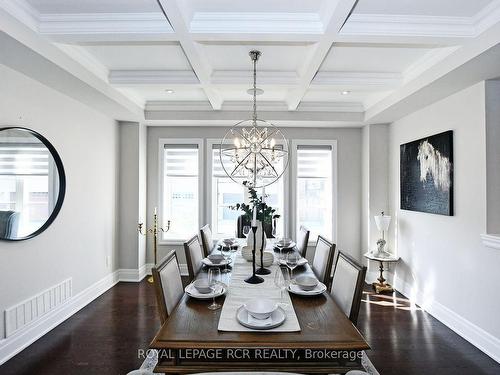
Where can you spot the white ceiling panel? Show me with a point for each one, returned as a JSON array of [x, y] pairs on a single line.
[[453, 8], [256, 6], [371, 58], [140, 56], [95, 6], [238, 93], [234, 56]]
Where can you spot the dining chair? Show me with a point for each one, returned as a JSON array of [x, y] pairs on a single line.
[[194, 256], [323, 260], [347, 285], [168, 285], [303, 240], [206, 239]]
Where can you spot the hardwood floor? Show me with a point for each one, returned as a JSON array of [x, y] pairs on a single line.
[[104, 338]]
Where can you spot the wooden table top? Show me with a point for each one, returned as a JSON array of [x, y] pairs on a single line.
[[323, 326]]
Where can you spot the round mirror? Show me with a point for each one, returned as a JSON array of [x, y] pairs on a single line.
[[32, 183]]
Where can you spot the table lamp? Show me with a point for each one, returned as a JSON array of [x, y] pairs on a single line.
[[382, 221]]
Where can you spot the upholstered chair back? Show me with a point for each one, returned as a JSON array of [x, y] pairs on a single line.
[[206, 239], [302, 240], [323, 260], [347, 285], [194, 255], [168, 285]]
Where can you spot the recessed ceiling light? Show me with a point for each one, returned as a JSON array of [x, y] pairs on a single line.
[[345, 92], [169, 91]]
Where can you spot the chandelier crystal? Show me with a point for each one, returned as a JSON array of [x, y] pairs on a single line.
[[254, 152]]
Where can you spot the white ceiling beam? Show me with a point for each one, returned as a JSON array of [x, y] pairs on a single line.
[[191, 50], [476, 60], [152, 77], [338, 15]]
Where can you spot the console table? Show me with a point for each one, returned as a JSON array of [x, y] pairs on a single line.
[[381, 286]]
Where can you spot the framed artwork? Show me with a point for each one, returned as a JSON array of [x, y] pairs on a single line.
[[426, 174]]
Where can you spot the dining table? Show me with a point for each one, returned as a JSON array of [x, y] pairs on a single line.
[[326, 343]]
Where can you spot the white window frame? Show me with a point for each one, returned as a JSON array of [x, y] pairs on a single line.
[[211, 213], [161, 164], [293, 176]]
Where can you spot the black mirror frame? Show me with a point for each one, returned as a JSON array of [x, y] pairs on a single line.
[[62, 182]]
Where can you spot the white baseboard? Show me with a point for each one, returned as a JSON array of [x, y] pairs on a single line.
[[477, 336], [21, 339], [33, 331], [136, 275]]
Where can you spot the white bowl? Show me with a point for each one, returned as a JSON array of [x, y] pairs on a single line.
[[215, 258], [202, 286], [260, 308], [228, 241], [284, 242], [306, 282]]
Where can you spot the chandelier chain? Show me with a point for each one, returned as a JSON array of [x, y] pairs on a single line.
[[254, 90]]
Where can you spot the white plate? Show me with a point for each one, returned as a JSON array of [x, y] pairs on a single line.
[[301, 262], [192, 292], [208, 262], [289, 246], [277, 318], [319, 289]]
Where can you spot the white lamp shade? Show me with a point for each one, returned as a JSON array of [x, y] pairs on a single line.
[[382, 222]]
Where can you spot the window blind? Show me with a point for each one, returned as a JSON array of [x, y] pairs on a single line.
[[181, 160], [24, 159], [314, 161]]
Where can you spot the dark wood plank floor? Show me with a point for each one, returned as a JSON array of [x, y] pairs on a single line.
[[104, 338]]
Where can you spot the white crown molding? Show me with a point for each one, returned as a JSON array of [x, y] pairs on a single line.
[[491, 240], [152, 77], [177, 105], [343, 107], [23, 11], [409, 25], [85, 58], [487, 17], [224, 77], [255, 23], [373, 79], [104, 23], [427, 61], [245, 106]]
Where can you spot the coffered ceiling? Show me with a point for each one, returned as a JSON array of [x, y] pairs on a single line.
[[358, 58]]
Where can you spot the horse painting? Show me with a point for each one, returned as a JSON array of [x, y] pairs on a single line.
[[426, 174], [432, 163]]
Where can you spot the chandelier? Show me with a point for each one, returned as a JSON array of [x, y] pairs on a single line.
[[254, 152]]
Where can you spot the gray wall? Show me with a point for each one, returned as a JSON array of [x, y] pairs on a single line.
[[349, 176], [444, 265], [83, 235], [132, 195], [493, 156]]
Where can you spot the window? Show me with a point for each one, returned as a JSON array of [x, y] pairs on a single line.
[[314, 194], [26, 170], [226, 193], [181, 188]]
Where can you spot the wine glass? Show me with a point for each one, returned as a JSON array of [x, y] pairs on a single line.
[[292, 261], [213, 282], [246, 230], [225, 252], [282, 281]]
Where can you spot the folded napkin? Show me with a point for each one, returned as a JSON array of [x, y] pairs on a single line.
[[259, 322]]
